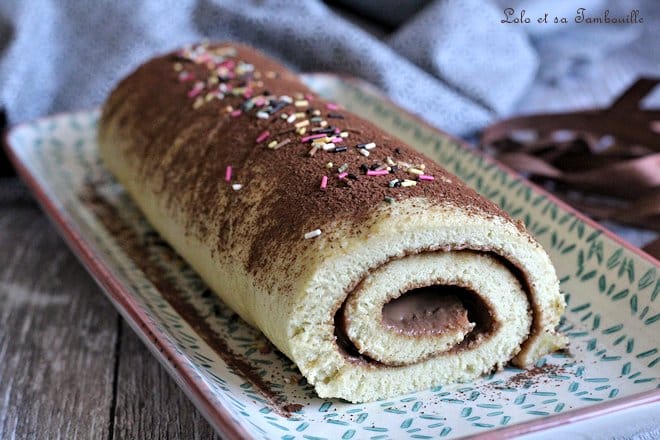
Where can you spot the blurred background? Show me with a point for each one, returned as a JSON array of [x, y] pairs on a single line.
[[460, 65]]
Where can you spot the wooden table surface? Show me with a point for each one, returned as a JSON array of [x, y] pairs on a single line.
[[70, 367]]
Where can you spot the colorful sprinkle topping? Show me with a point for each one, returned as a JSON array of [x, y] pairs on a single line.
[[263, 136], [224, 76]]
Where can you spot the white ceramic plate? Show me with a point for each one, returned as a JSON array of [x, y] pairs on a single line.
[[245, 388]]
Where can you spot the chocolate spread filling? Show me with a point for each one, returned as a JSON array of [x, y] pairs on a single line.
[[427, 310]]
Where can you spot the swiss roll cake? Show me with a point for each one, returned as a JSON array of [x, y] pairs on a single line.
[[372, 268]]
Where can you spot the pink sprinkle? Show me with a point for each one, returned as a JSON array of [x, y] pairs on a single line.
[[377, 173], [247, 94], [203, 58], [186, 76], [313, 136], [342, 175], [310, 98], [259, 101], [336, 140], [228, 174], [194, 92], [324, 182], [236, 113], [337, 131], [426, 177], [229, 64], [331, 106], [263, 136]]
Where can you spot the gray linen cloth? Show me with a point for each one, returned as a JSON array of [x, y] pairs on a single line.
[[452, 62]]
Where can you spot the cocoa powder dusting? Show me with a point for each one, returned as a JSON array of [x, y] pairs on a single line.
[[183, 152], [534, 373], [130, 243]]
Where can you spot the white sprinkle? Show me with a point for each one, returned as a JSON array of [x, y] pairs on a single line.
[[313, 234], [370, 146], [291, 118], [343, 134], [284, 116], [363, 152], [236, 186], [329, 146], [263, 115], [286, 98], [409, 183], [302, 103]]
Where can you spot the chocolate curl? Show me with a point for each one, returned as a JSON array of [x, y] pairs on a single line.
[[653, 248], [611, 157]]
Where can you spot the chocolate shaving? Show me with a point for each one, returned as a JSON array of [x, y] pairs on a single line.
[[610, 156]]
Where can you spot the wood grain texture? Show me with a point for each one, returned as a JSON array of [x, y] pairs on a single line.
[[70, 367], [57, 335], [149, 404]]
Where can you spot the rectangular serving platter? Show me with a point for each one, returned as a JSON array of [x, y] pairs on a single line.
[[246, 389]]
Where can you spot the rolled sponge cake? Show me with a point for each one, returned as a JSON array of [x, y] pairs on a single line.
[[378, 274]]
